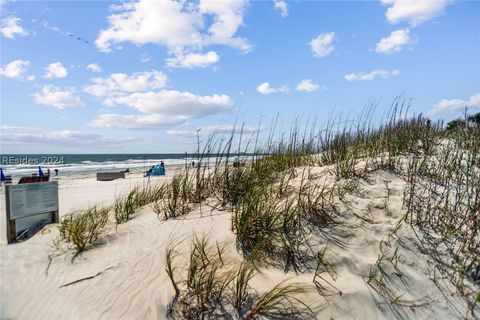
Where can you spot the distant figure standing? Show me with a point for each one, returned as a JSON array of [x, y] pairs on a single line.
[[193, 163], [56, 172], [48, 171]]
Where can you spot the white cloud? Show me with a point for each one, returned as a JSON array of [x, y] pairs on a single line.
[[145, 57], [162, 22], [193, 60], [371, 75], [52, 28], [142, 121], [414, 12], [14, 69], [13, 135], [61, 99], [308, 86], [31, 77], [181, 26], [265, 88], [94, 67], [282, 6], [215, 129], [455, 105], [322, 45], [227, 18], [55, 70], [164, 108], [11, 27], [185, 133], [394, 42], [121, 83], [174, 102]]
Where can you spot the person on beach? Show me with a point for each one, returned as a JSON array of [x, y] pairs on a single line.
[[48, 171], [162, 164], [56, 172]]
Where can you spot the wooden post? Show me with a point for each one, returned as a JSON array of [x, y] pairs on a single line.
[[11, 227], [55, 217]]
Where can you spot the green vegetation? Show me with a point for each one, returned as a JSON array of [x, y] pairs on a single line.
[[443, 199], [82, 228], [175, 201], [125, 207], [212, 287], [278, 206]]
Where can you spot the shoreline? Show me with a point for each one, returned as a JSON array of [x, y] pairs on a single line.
[[80, 191], [88, 173]]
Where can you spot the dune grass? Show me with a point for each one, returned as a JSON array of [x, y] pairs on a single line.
[[266, 220], [212, 287], [277, 204], [443, 200], [124, 207], [82, 228], [176, 200]]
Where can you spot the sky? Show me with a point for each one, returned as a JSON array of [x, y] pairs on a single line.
[[147, 75]]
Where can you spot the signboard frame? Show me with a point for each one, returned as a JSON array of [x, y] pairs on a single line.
[[11, 219]]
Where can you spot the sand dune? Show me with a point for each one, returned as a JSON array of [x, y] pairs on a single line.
[[123, 276]]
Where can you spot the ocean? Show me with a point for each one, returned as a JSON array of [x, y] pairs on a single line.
[[18, 165]]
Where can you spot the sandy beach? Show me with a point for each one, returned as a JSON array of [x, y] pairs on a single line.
[[78, 192], [123, 276], [272, 160]]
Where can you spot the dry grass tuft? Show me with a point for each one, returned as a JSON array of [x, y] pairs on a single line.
[[212, 288]]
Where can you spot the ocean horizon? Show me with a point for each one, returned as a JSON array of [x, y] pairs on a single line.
[[18, 165]]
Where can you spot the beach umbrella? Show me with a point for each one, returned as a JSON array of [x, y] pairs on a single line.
[[40, 172], [2, 176]]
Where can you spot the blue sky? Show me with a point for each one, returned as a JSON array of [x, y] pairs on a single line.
[[141, 76]]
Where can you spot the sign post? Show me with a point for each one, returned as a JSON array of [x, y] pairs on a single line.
[[29, 205]]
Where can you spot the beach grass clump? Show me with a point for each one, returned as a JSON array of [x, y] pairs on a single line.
[[442, 199], [342, 150], [273, 221], [126, 206], [82, 228], [148, 194], [200, 184], [241, 288], [324, 287], [234, 175], [293, 236], [377, 146], [271, 227], [280, 302], [212, 287], [231, 183], [315, 201], [256, 222], [202, 291], [403, 137], [385, 271], [176, 200]]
